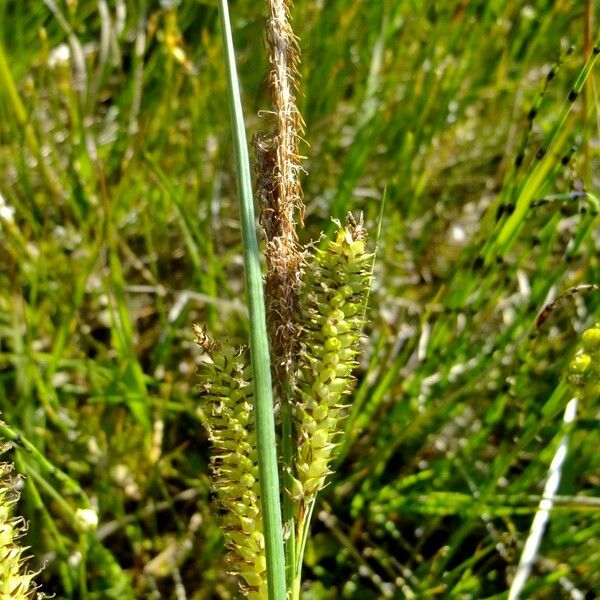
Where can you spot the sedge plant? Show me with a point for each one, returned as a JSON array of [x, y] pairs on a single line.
[[312, 319], [453, 424]]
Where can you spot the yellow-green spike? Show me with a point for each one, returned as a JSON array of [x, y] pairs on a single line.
[[16, 581], [335, 287], [227, 415]]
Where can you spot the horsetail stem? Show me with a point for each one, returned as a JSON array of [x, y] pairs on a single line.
[[228, 417], [555, 138]]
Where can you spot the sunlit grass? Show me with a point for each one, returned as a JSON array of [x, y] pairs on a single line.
[[119, 229]]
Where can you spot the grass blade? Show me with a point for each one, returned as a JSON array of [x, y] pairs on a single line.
[[259, 347]]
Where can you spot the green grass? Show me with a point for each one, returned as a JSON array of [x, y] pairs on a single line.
[[119, 229]]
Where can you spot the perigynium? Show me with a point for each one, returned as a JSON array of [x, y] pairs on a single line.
[[16, 581], [227, 413]]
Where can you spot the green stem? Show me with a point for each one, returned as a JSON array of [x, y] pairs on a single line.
[[287, 456], [10, 89], [83, 548], [259, 346], [56, 496], [50, 525], [70, 485], [303, 532]]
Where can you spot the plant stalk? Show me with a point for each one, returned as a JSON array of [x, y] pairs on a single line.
[[259, 347]]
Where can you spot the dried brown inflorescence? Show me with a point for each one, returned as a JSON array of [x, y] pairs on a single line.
[[278, 186]]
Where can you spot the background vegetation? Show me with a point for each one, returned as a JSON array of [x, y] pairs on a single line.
[[119, 230]]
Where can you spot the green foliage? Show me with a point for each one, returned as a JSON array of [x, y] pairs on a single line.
[[111, 582], [119, 230]]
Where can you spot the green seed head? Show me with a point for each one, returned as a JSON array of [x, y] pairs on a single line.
[[333, 294], [227, 415], [580, 364], [16, 582], [584, 368]]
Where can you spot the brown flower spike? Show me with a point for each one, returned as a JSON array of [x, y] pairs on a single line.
[[278, 186]]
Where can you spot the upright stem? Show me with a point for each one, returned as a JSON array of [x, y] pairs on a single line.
[[287, 458], [304, 519], [259, 347]]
